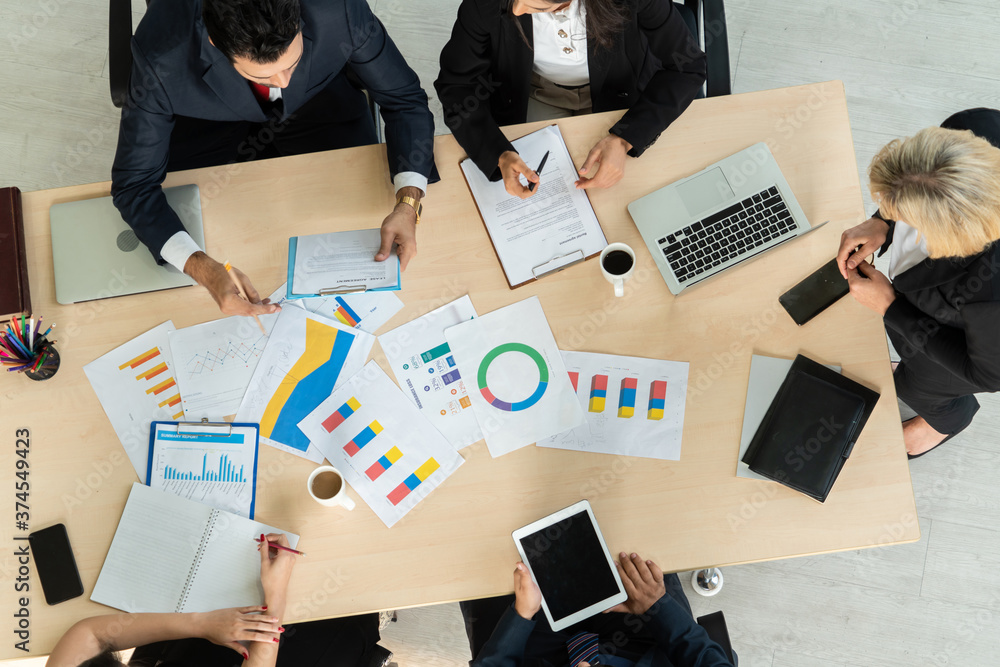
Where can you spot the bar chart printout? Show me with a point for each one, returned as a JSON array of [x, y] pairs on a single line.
[[626, 397], [215, 469]]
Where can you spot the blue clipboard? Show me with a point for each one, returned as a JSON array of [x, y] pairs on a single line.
[[206, 434], [334, 290]]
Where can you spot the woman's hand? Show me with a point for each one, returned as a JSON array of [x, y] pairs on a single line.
[[870, 235], [276, 567], [527, 597], [512, 167], [871, 288], [229, 627], [643, 580], [609, 153]]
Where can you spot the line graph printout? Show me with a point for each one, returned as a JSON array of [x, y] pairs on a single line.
[[425, 368], [136, 385], [305, 358], [215, 362], [390, 454], [634, 406]]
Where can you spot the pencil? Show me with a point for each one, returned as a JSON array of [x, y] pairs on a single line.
[[278, 546], [229, 269]]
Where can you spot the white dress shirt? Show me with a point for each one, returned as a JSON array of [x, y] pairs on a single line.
[[560, 45], [909, 248], [179, 247]]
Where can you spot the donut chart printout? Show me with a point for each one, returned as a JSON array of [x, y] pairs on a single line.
[[388, 450], [634, 406], [421, 359], [518, 384]]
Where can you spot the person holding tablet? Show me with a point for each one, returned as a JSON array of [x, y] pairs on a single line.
[[511, 61], [654, 625], [941, 299], [213, 639]]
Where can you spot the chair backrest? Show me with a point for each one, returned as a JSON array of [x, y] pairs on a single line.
[[715, 626], [707, 21]]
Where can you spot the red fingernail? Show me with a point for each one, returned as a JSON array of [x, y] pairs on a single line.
[[264, 607], [246, 656], [275, 640]]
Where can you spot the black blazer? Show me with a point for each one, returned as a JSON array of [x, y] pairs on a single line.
[[177, 72], [654, 69], [949, 309]]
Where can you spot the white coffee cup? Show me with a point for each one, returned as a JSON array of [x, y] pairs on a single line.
[[616, 268], [327, 486]]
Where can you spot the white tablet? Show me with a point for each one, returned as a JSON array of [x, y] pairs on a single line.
[[568, 559]]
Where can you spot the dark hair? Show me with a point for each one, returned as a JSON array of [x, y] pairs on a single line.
[[260, 30], [605, 19], [107, 658]]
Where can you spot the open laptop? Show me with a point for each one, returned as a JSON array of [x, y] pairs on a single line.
[[96, 255], [725, 214]]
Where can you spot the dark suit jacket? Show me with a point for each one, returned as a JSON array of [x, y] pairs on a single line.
[[654, 69], [949, 309], [177, 72], [680, 642]]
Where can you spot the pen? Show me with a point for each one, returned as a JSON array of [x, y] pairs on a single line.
[[278, 546], [531, 186], [244, 296]]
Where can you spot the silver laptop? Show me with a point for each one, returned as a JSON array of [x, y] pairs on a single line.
[[96, 255], [725, 214]]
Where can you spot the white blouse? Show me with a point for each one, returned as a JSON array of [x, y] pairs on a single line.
[[907, 250], [560, 45]]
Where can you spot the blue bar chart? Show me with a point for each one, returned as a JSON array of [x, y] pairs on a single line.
[[220, 469]]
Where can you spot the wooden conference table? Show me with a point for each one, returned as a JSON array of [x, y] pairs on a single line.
[[456, 544]]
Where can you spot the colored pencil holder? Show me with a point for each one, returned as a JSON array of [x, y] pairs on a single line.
[[50, 367]]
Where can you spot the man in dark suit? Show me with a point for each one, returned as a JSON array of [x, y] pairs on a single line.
[[653, 628], [221, 81]]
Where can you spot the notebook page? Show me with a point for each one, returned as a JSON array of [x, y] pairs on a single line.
[[152, 552], [228, 574]]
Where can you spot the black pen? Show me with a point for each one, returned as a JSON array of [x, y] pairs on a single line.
[[531, 186]]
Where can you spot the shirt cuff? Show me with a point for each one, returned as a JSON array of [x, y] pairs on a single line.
[[410, 179], [178, 249]]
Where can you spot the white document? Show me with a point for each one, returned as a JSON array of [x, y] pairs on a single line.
[[634, 406], [549, 230], [522, 393], [766, 376], [367, 311], [170, 554], [306, 357], [136, 386], [388, 451], [215, 362], [341, 260], [421, 360], [217, 468]]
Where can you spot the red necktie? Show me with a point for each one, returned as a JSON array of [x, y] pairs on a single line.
[[262, 93]]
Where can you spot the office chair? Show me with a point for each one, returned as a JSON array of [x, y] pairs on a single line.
[[715, 626], [707, 21], [120, 60]]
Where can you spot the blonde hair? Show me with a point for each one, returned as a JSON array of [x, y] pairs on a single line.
[[943, 183]]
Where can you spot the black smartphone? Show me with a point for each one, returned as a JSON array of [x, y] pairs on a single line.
[[55, 564], [815, 294]]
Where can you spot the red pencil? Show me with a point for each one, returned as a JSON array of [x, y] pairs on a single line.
[[278, 546]]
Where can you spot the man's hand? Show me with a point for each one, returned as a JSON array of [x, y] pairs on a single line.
[[643, 581], [224, 286], [228, 627], [527, 597], [400, 227], [871, 288], [870, 235], [512, 167], [609, 154]]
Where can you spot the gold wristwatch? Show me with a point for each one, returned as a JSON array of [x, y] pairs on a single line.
[[418, 208]]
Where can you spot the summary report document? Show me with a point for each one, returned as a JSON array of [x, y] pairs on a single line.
[[548, 231], [339, 263], [171, 554]]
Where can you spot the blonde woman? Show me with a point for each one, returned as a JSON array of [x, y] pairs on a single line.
[[941, 299]]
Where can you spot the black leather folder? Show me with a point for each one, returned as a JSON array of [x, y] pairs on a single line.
[[810, 429]]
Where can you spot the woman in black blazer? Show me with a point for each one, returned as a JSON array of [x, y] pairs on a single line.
[[641, 56], [942, 308]]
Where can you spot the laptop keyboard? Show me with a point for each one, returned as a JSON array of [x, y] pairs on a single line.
[[733, 233]]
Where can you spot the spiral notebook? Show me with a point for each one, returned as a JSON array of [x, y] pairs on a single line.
[[171, 554]]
